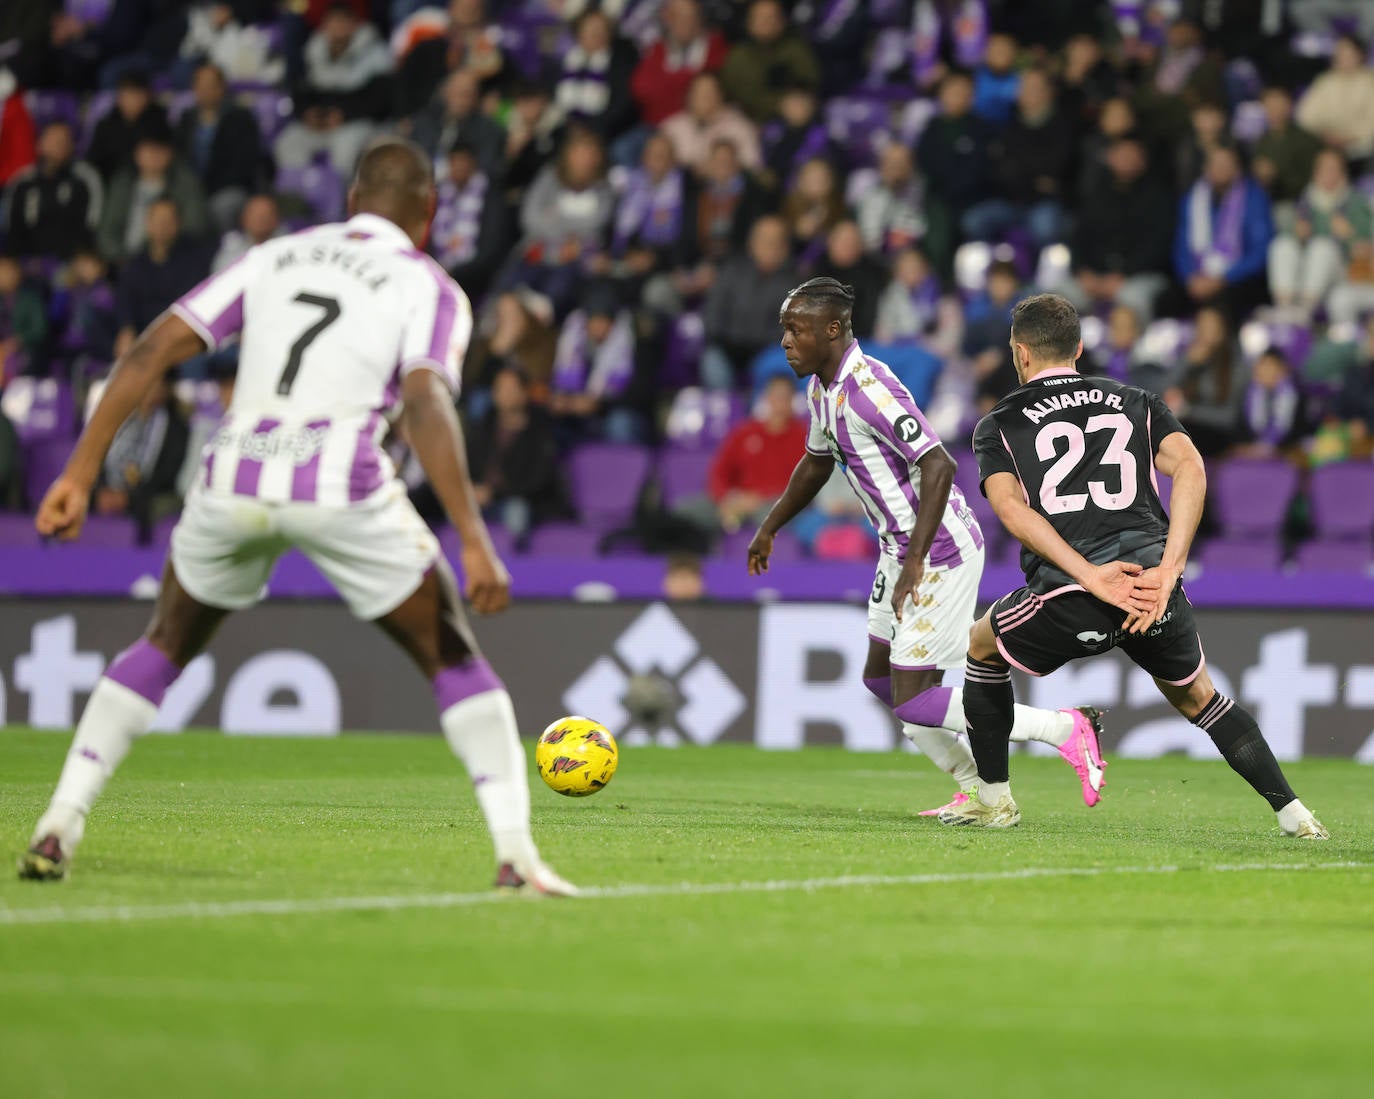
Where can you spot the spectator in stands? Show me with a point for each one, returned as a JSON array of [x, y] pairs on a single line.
[[17, 150], [996, 81], [666, 70], [54, 205], [754, 462], [741, 311], [1353, 297], [10, 479], [1086, 82], [23, 323], [811, 209], [513, 456], [117, 134], [1121, 356], [259, 221], [468, 235], [471, 43], [834, 526], [1339, 106], [771, 58], [987, 331], [534, 133], [455, 117], [157, 174], [1116, 120], [845, 260], [651, 235], [1208, 122], [706, 120], [683, 581], [953, 157], [139, 477], [221, 142], [1175, 79], [166, 267], [1121, 245], [1208, 388], [594, 84], [1032, 169], [85, 311], [1306, 264], [593, 368], [1223, 235], [564, 220], [911, 306], [216, 34], [343, 95], [142, 36], [891, 214], [793, 137], [1352, 419], [1284, 155], [1272, 411]]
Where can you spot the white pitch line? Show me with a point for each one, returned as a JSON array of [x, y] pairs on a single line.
[[212, 910]]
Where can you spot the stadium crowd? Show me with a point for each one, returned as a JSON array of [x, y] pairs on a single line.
[[627, 189]]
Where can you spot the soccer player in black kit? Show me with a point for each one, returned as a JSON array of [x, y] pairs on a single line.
[[1069, 464]]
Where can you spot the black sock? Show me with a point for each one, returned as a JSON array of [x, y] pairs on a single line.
[[1236, 734], [988, 714]]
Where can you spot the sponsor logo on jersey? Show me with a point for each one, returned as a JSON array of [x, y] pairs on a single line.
[[907, 428], [1092, 637]]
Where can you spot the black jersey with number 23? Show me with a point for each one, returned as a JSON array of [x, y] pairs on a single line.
[[1083, 449]]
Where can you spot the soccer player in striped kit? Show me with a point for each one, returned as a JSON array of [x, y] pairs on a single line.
[[926, 588], [342, 329]]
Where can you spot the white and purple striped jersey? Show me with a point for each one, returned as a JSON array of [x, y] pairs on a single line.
[[329, 321], [868, 422]]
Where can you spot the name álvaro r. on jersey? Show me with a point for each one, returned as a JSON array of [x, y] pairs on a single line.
[[1060, 401]]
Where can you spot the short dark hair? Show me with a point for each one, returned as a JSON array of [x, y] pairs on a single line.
[[1048, 324], [828, 293]]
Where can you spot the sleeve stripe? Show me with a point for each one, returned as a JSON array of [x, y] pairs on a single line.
[[200, 328]]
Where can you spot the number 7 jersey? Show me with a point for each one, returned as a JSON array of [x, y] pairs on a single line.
[[1083, 450], [330, 320]]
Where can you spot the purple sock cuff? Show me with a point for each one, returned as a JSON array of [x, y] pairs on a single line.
[[462, 681], [145, 670], [927, 708], [881, 686]]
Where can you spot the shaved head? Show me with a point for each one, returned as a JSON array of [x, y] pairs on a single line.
[[395, 180]]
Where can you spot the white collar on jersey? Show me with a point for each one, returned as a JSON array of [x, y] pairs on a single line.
[[847, 364], [378, 226]]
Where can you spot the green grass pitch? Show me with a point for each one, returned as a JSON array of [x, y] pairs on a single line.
[[1195, 982]]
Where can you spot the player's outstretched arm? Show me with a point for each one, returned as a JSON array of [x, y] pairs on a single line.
[[168, 341], [1119, 583], [431, 425], [1179, 460], [937, 477], [807, 479]]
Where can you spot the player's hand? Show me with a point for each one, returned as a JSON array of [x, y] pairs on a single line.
[[908, 583], [1163, 581], [1122, 584], [488, 582], [63, 510], [760, 549]]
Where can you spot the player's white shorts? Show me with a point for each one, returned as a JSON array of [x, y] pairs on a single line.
[[375, 553], [933, 633]]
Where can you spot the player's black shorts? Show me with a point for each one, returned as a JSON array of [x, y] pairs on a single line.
[[1039, 633]]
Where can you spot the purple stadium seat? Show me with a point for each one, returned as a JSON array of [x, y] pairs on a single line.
[[501, 539], [1165, 340], [702, 418], [109, 532], [16, 530], [606, 479], [1166, 491], [915, 117], [319, 185], [563, 540], [1252, 497], [178, 103], [1245, 554], [682, 473], [162, 532], [735, 547], [43, 461], [90, 12], [39, 408], [1249, 122], [270, 108], [1346, 557], [1293, 340], [682, 352], [860, 126], [54, 106], [1342, 499]]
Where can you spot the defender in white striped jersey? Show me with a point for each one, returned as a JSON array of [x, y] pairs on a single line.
[[343, 329], [926, 588]]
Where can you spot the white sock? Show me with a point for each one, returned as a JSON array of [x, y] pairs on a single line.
[[1050, 726], [482, 732], [113, 717], [1293, 814], [946, 750], [990, 793]]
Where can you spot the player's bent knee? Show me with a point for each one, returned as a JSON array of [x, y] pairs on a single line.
[[982, 642]]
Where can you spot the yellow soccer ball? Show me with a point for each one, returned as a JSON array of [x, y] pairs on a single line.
[[576, 756]]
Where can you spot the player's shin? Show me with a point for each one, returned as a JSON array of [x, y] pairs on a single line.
[[1237, 736], [121, 708], [478, 720], [1053, 727], [988, 709], [945, 750]]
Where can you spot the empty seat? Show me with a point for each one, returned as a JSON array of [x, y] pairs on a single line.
[[563, 540], [39, 408], [1343, 557], [682, 473], [1342, 499], [1251, 498], [1244, 554], [319, 185], [606, 479]]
